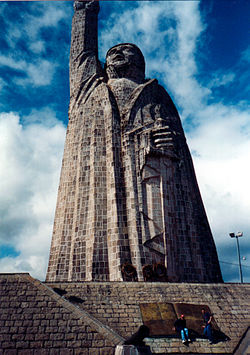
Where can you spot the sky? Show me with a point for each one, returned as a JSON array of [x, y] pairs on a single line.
[[198, 50]]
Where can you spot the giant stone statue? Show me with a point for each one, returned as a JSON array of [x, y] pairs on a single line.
[[129, 207]]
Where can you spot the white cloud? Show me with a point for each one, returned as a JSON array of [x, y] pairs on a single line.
[[2, 83], [30, 159], [45, 117], [221, 79], [25, 42], [40, 15], [12, 62], [45, 15], [246, 55], [222, 154], [13, 35], [39, 73], [37, 46]]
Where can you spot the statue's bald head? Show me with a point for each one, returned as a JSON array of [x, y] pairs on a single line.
[[125, 58]]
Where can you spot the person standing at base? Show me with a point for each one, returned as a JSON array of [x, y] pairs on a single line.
[[181, 328], [207, 332]]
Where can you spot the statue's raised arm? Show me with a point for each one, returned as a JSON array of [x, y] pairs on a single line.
[[84, 47]]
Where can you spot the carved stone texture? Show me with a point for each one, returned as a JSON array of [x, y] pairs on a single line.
[[128, 194]]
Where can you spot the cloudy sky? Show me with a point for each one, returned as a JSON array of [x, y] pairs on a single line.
[[198, 50]]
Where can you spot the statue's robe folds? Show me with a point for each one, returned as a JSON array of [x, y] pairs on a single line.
[[124, 198]]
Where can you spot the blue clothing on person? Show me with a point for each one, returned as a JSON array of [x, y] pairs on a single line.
[[180, 326], [208, 329], [208, 332], [184, 334]]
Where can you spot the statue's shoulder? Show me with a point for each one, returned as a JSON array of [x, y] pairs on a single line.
[[151, 87], [155, 87], [164, 97], [159, 95]]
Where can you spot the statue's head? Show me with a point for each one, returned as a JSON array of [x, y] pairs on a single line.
[[125, 59]]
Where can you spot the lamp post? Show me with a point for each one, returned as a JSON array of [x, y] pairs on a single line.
[[237, 235]]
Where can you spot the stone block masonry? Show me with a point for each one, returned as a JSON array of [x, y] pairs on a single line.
[[36, 320], [128, 207]]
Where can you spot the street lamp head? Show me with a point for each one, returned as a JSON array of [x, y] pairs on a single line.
[[238, 234]]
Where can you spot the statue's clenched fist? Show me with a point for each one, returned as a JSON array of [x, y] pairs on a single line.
[[82, 4]]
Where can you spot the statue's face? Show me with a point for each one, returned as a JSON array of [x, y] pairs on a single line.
[[123, 55]]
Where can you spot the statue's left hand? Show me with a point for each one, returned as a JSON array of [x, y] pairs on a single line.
[[162, 137]]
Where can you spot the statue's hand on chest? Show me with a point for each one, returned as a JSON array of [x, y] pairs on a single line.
[[162, 137]]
